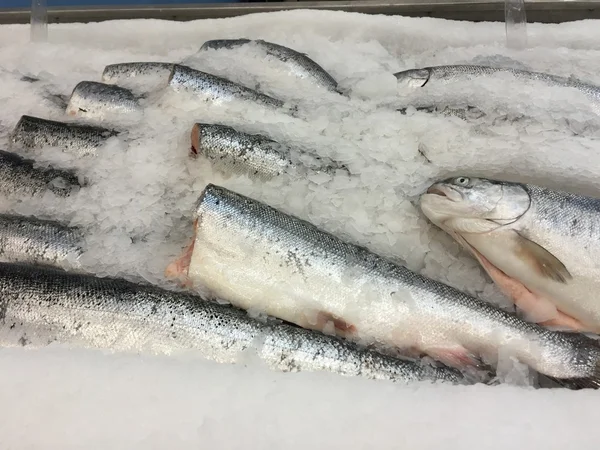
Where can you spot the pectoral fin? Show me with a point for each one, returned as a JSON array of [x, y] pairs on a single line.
[[541, 260]]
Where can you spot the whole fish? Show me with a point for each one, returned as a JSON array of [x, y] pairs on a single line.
[[216, 89], [259, 258], [81, 139], [20, 177], [36, 241], [233, 152], [298, 64], [540, 246], [123, 72], [93, 99], [41, 305], [416, 78]]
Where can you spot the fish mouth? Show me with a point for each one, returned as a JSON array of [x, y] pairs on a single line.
[[447, 192]]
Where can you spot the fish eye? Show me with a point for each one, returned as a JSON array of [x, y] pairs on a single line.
[[462, 181]]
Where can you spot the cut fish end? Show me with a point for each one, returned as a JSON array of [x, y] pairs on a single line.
[[195, 138], [179, 268]]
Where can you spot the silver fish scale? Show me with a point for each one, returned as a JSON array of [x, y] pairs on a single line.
[[39, 305], [92, 96], [464, 72], [298, 63], [290, 249], [35, 133], [234, 152], [215, 88], [36, 241], [19, 177], [116, 72], [574, 214]]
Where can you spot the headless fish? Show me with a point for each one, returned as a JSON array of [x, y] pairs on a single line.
[[81, 139]]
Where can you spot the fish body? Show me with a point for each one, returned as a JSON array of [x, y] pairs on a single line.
[[416, 78], [36, 241], [547, 240], [298, 64], [81, 139], [141, 71], [42, 305], [234, 152], [259, 258], [93, 99], [216, 89], [463, 113], [20, 177]]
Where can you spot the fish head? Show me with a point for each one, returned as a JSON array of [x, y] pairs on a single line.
[[474, 205], [414, 78]]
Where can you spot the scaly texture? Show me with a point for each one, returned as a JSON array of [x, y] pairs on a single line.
[[36, 241], [216, 89], [298, 64], [39, 306], [258, 257], [19, 177], [80, 139]]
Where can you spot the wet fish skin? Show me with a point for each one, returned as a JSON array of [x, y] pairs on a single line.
[[37, 133], [122, 72], [299, 64], [94, 99], [41, 305], [257, 156], [546, 240], [234, 152], [31, 240], [463, 113], [416, 78], [216, 89], [259, 258], [19, 177]]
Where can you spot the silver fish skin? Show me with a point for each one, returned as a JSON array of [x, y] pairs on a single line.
[[416, 78], [80, 139], [298, 64], [463, 113], [547, 240], [96, 100], [216, 89], [124, 72], [233, 152], [259, 258], [35, 241], [20, 178], [236, 153], [42, 305]]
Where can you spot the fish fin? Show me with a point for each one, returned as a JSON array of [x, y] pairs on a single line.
[[536, 307], [463, 225], [544, 262]]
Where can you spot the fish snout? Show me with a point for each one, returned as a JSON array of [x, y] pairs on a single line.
[[413, 78], [442, 190]]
